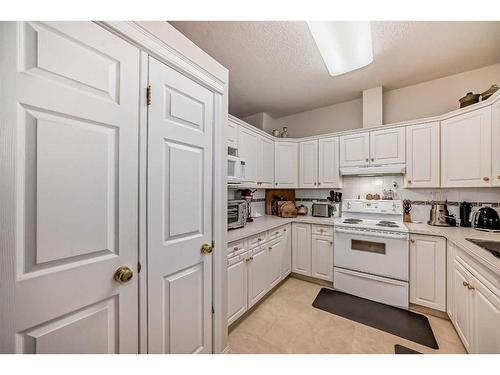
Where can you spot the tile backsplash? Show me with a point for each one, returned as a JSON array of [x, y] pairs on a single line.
[[356, 186]]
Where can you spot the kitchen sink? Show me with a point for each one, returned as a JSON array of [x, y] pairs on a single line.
[[492, 246]]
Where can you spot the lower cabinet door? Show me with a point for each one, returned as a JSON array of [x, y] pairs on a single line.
[[258, 279], [462, 304], [286, 255], [428, 271], [486, 319], [236, 288], [301, 249], [274, 263], [322, 257]]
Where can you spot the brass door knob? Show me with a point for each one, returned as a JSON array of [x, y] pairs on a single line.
[[123, 274], [206, 248]]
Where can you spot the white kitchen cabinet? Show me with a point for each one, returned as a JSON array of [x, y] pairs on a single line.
[[466, 149], [286, 261], [265, 162], [387, 146], [355, 150], [247, 150], [237, 298], [301, 248], [328, 163], [232, 134], [286, 164], [275, 257], [422, 156], [322, 257], [485, 319], [474, 302], [428, 271], [495, 152], [308, 164], [257, 275]]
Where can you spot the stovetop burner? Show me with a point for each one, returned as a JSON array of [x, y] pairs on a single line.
[[387, 225], [352, 221]]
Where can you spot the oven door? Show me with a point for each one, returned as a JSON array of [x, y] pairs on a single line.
[[373, 253]]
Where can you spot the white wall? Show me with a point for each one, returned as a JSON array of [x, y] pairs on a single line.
[[425, 99], [438, 96]]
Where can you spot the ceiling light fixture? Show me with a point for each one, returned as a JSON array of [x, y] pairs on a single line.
[[344, 45]]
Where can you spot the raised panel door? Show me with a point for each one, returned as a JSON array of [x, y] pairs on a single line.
[[328, 163], [286, 266], [462, 319], [422, 156], [286, 164], [495, 136], [180, 139], [275, 258], [301, 249], [247, 150], [308, 166], [265, 161], [236, 289], [322, 257], [355, 150], [258, 280], [387, 146], [486, 319], [471, 132], [70, 188], [232, 134], [428, 271]]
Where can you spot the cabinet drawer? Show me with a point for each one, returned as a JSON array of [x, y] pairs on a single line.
[[235, 247], [276, 233], [325, 230], [257, 240]]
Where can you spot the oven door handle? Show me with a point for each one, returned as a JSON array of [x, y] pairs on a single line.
[[398, 236]]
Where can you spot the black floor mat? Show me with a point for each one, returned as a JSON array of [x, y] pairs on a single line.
[[406, 324], [400, 349]]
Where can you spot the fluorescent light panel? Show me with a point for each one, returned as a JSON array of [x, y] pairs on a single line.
[[344, 45]]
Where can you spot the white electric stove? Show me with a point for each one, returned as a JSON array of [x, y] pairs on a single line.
[[371, 256]]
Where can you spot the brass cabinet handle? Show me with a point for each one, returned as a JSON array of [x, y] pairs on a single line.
[[123, 274], [367, 159], [315, 184], [331, 242], [235, 248], [409, 181], [259, 239], [373, 159], [251, 258], [284, 229], [498, 177], [486, 179], [206, 248], [276, 183], [247, 259], [465, 283], [412, 240], [470, 287], [270, 248], [319, 183]]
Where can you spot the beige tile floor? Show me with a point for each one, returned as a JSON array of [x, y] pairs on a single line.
[[286, 322]]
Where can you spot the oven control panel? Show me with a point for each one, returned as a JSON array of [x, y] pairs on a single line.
[[373, 206]]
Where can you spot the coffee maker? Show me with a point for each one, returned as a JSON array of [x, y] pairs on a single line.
[[465, 210]]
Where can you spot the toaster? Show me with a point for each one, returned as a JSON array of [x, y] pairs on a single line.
[[321, 209]]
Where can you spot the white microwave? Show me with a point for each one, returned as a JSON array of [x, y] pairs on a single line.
[[235, 170]]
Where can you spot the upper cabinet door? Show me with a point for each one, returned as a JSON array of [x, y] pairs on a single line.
[[265, 162], [422, 156], [232, 134], [496, 144], [328, 163], [466, 150], [355, 150], [387, 146], [308, 167], [286, 164], [247, 150]]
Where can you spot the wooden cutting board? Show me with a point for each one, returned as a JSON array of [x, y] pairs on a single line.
[[284, 194]]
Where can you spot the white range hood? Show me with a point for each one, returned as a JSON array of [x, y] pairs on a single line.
[[374, 170]]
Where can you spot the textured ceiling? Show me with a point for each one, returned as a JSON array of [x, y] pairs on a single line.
[[275, 67]]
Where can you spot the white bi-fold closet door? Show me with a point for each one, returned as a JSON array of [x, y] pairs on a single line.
[[69, 106], [180, 147]]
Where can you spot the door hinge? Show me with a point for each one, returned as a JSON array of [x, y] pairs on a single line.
[[213, 311], [139, 267], [213, 245], [148, 95]]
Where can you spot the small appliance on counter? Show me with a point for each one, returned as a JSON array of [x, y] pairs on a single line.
[[440, 216], [335, 203], [247, 195], [485, 219], [321, 209], [236, 213], [465, 210], [302, 210], [406, 211]]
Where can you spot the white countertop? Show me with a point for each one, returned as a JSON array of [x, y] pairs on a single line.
[[457, 235]]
